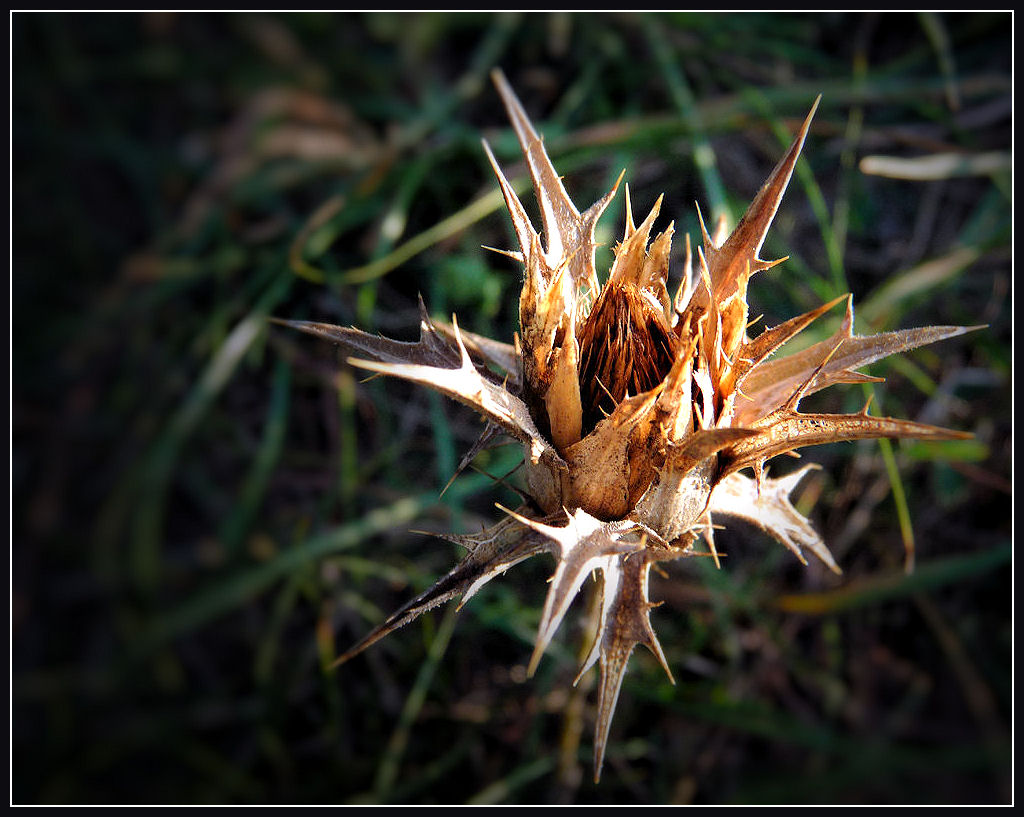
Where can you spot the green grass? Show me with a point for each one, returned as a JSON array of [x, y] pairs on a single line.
[[208, 508]]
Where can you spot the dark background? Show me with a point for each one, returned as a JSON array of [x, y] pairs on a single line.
[[207, 509]]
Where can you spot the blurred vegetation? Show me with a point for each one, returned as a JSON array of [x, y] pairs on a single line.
[[207, 508]]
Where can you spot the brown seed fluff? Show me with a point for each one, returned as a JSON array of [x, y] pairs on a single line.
[[626, 347]]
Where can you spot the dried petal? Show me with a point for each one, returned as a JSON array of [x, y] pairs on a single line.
[[491, 553], [584, 545], [766, 504], [467, 385], [625, 622]]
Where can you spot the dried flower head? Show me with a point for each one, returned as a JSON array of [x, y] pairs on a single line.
[[640, 411]]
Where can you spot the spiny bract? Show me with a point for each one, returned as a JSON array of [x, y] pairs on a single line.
[[638, 410]]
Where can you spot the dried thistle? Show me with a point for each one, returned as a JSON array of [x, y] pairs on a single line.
[[639, 411]]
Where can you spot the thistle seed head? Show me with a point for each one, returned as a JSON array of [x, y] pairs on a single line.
[[644, 417]]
